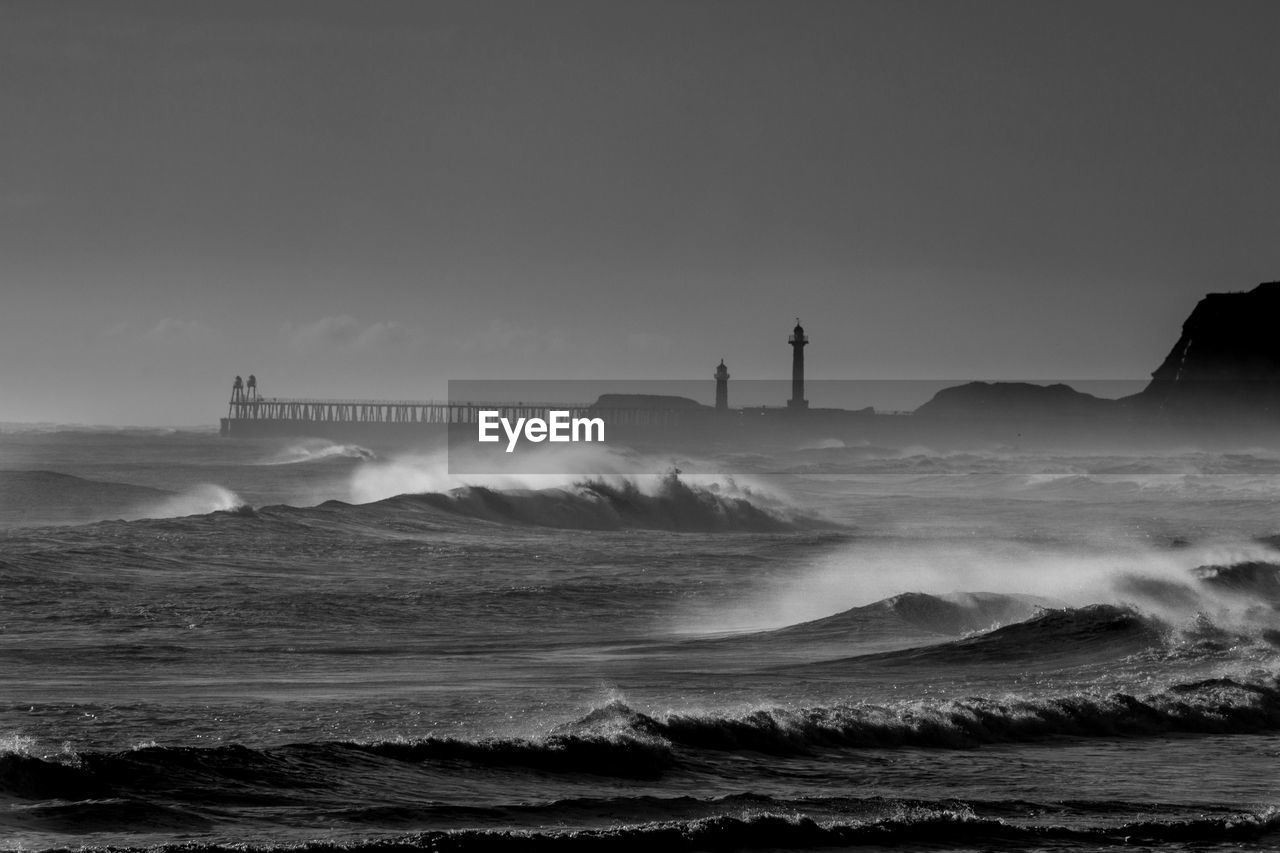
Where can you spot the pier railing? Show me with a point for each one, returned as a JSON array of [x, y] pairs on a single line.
[[312, 411]]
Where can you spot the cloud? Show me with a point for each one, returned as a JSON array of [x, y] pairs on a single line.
[[166, 330], [502, 336], [349, 333], [176, 330]]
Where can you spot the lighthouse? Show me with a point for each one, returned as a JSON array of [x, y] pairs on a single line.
[[798, 342], [722, 387]]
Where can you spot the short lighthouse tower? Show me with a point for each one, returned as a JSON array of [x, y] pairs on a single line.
[[798, 341], [722, 387]]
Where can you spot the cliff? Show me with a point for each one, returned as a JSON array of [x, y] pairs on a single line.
[[1227, 358], [1226, 363]]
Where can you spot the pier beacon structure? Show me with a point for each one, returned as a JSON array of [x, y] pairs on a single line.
[[722, 387], [798, 341]]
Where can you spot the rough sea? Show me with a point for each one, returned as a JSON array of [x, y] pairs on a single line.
[[217, 644]]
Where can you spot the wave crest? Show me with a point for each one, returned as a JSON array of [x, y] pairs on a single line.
[[1099, 629], [618, 741], [942, 825], [1211, 706], [198, 500], [600, 504], [317, 450]]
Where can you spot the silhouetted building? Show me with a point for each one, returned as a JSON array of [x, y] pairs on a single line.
[[722, 387], [798, 342]]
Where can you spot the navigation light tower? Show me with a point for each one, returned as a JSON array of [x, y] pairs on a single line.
[[798, 341]]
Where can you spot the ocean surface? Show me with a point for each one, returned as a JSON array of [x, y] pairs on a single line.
[[214, 644]]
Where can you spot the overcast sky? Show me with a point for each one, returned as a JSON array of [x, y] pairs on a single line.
[[366, 199]]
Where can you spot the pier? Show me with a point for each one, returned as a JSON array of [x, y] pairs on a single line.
[[249, 414]]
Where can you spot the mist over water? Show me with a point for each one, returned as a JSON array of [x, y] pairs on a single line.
[[1121, 571]]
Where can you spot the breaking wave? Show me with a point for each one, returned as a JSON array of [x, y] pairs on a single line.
[[959, 613], [622, 503], [947, 825], [618, 741], [1173, 584], [198, 500], [181, 789], [624, 754], [901, 621], [1222, 706], [1255, 579], [1092, 632], [317, 450]]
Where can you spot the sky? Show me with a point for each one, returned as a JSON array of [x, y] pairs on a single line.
[[371, 198]]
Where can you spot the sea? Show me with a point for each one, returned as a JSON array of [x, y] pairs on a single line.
[[215, 644]]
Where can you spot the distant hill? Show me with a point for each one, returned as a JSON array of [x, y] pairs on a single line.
[[1014, 400], [646, 401]]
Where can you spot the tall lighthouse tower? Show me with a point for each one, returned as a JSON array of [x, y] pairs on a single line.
[[798, 340], [722, 387]]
